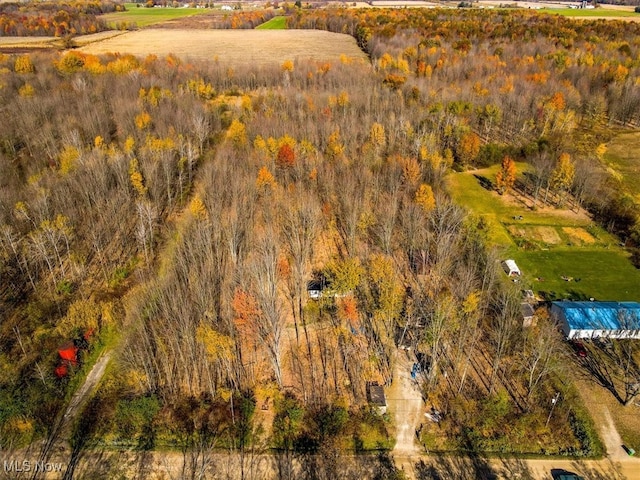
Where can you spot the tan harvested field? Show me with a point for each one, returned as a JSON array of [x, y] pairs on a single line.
[[96, 37], [579, 235], [28, 44], [233, 47], [548, 235], [17, 44]]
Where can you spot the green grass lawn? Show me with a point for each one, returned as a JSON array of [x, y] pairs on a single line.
[[623, 157], [148, 16], [549, 244], [593, 12], [602, 274], [276, 23]]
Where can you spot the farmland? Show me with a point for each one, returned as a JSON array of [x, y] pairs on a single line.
[[595, 13], [276, 23], [138, 15], [234, 47]]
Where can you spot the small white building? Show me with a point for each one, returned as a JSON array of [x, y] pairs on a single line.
[[510, 268]]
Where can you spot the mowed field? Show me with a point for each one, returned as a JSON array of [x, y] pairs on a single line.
[[142, 17], [233, 47], [561, 253]]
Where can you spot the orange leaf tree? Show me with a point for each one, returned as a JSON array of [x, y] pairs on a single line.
[[506, 177]]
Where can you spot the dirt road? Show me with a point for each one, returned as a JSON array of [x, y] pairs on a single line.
[[92, 380], [406, 406]]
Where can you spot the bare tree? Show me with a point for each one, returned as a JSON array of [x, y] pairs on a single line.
[[503, 326], [263, 271], [539, 356], [300, 219]]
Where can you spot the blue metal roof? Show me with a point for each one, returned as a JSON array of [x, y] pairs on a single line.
[[601, 315]]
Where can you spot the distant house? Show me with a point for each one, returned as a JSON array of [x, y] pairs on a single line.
[[528, 314], [510, 268], [598, 319], [376, 398], [315, 288]]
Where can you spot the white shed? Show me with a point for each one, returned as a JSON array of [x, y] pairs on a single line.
[[510, 268]]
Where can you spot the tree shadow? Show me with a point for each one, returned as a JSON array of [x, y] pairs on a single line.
[[484, 182], [515, 468], [325, 466], [470, 467], [83, 437], [601, 373]]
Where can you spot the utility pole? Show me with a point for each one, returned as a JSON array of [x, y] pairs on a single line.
[[554, 400]]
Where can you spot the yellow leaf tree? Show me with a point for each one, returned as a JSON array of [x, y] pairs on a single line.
[[562, 176], [425, 198], [23, 64], [468, 148], [506, 176], [237, 133], [265, 178], [197, 208], [68, 159]]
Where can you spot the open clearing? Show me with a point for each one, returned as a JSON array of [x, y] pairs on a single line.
[[276, 23], [562, 253], [233, 47]]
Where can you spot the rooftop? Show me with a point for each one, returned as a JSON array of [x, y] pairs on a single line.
[[601, 315], [376, 395]]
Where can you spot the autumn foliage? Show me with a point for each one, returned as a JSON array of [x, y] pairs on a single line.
[[54, 18], [506, 176], [285, 157]]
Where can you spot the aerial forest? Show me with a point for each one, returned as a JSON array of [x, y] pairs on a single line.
[[174, 214]]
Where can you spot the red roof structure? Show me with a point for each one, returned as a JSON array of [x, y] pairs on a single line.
[[61, 370], [69, 353]]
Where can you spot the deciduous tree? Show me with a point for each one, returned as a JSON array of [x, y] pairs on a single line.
[[506, 176]]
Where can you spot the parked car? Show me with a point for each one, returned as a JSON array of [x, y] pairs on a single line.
[[579, 348]]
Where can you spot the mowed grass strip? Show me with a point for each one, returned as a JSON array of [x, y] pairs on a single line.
[[144, 17], [276, 23]]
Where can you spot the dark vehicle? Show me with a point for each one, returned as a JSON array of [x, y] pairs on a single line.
[[578, 347], [560, 474]]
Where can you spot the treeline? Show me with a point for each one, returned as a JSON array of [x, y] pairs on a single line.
[[54, 18], [241, 20], [510, 82]]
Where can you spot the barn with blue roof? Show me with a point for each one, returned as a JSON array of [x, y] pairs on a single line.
[[598, 319]]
